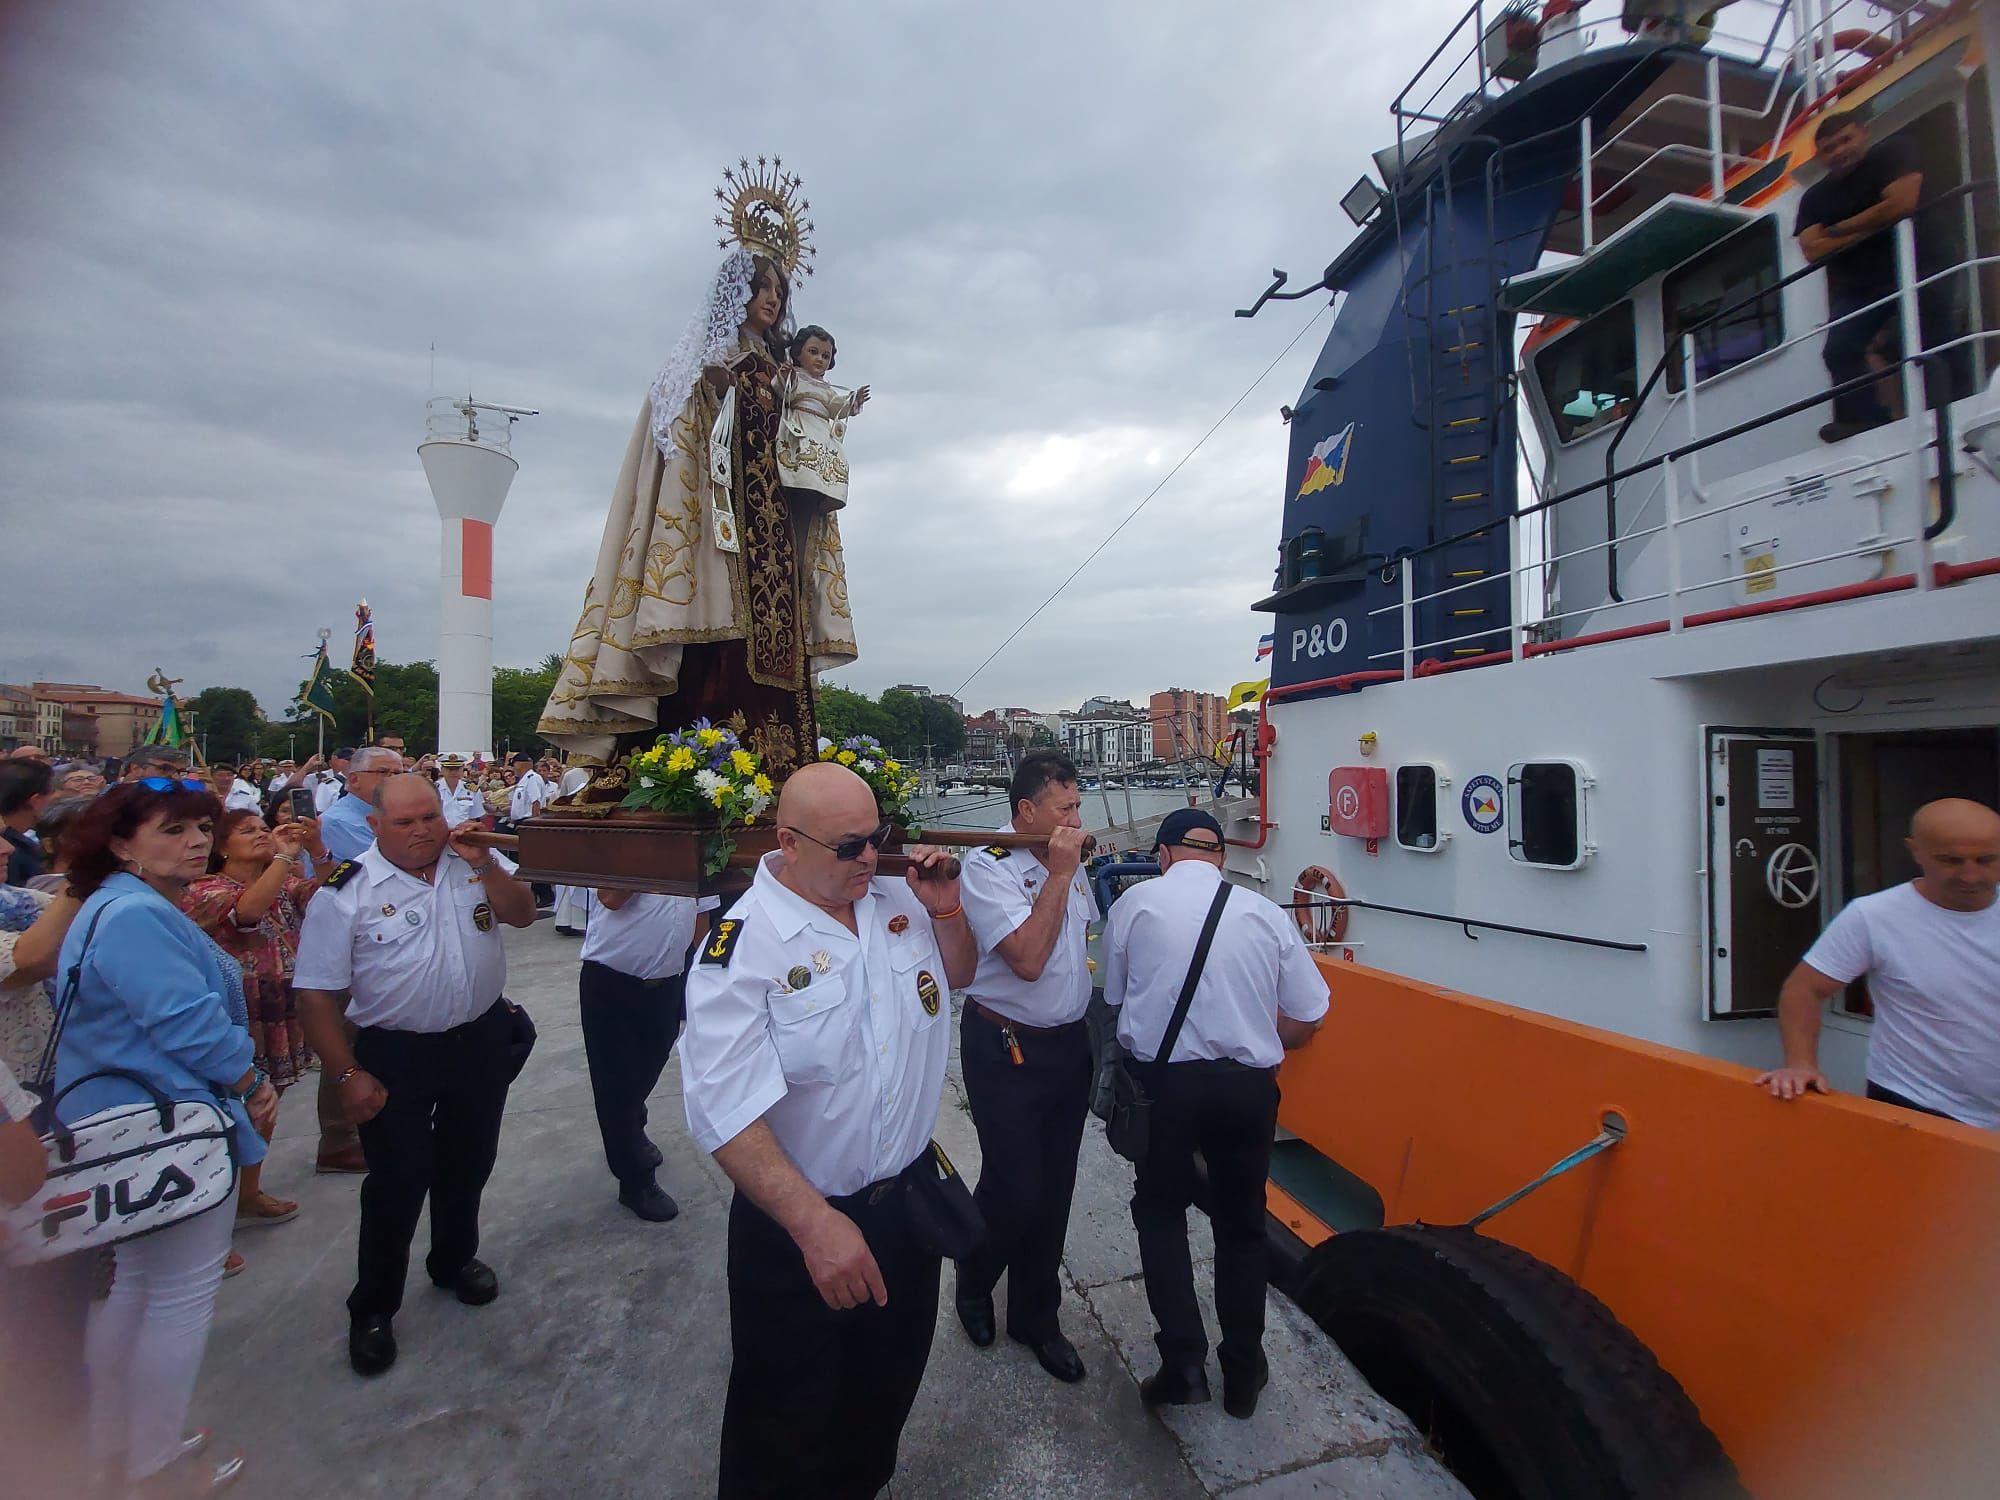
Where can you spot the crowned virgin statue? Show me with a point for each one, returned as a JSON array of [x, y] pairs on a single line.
[[716, 595]]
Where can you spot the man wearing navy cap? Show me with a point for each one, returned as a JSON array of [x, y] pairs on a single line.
[[1259, 994]]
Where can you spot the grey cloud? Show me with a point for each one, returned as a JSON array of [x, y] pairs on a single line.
[[234, 232]]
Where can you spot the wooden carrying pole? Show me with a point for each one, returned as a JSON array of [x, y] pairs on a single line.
[[885, 863]]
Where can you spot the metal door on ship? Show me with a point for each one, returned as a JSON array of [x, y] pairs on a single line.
[[1764, 864]]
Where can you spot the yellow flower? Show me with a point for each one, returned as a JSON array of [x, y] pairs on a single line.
[[721, 795], [710, 736], [748, 819], [828, 753], [744, 762], [762, 783], [892, 767], [681, 760], [847, 757]]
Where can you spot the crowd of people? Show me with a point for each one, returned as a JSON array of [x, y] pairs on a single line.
[[222, 932]]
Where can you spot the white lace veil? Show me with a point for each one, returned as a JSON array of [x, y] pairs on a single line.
[[710, 339]]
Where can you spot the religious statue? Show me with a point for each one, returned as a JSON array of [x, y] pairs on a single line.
[[718, 590], [162, 684]]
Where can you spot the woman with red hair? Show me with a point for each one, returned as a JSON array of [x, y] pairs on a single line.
[[157, 999]]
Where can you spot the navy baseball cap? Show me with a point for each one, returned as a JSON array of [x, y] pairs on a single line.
[[1177, 825]]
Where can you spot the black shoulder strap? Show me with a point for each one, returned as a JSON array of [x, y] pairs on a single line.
[[45, 1070], [1200, 961]]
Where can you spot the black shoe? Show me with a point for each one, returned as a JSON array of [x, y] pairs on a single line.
[[575, 932], [1240, 1391], [1175, 1385], [371, 1345], [976, 1313], [1059, 1357], [650, 1202], [654, 1154], [474, 1284]]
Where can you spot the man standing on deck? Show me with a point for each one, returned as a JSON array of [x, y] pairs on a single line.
[[1215, 1092], [1027, 1060], [814, 1058], [1844, 220], [412, 929], [1930, 949]]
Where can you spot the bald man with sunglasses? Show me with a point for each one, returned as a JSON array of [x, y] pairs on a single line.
[[818, 1026]]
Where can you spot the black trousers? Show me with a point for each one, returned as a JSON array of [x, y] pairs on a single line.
[[629, 1028], [1228, 1112], [817, 1397], [436, 1137], [1030, 1121], [1846, 356], [1904, 1101]]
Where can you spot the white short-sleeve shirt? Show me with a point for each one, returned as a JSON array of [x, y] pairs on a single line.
[[646, 937], [999, 888], [1258, 965], [528, 796], [418, 955], [464, 805], [1934, 976], [836, 1039]]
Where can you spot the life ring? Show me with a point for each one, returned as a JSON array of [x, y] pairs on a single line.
[[1319, 924]]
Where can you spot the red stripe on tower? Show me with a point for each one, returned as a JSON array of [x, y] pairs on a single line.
[[476, 559]]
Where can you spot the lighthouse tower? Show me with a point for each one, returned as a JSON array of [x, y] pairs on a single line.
[[467, 458]]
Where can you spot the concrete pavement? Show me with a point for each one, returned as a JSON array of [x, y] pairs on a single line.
[[599, 1372]]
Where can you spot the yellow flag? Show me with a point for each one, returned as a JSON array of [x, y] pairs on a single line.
[[1245, 693]]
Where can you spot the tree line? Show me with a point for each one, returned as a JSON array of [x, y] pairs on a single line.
[[232, 726]]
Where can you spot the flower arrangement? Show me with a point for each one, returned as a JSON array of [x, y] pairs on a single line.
[[892, 784], [702, 769]]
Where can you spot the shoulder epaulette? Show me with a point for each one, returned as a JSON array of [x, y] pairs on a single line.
[[721, 944], [998, 851], [343, 874]]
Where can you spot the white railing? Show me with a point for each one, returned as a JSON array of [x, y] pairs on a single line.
[[460, 419], [1530, 576]]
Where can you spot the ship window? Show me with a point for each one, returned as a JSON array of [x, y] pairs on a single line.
[[1417, 808], [1590, 375], [1738, 269], [1545, 813]]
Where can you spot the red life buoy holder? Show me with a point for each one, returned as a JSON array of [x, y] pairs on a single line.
[[1319, 924]]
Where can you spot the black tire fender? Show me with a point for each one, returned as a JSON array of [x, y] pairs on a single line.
[[1525, 1383]]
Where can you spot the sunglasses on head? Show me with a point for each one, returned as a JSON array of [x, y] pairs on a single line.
[[168, 783], [849, 849]]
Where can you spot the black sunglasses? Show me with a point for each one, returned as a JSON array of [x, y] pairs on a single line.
[[848, 849], [168, 783]]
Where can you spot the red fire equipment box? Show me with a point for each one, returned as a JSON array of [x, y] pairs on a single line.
[[1358, 801]]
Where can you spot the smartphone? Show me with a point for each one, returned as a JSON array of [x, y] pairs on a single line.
[[301, 799]]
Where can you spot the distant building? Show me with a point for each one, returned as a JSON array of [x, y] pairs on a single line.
[[81, 718], [1107, 734], [985, 737], [949, 702], [909, 687], [17, 716], [1117, 707], [1186, 723]]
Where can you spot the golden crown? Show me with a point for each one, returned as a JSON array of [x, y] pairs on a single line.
[[764, 213]]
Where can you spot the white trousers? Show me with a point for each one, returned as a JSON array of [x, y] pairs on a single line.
[[145, 1342]]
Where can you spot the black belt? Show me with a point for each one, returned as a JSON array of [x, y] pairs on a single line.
[[875, 1192], [990, 1014]]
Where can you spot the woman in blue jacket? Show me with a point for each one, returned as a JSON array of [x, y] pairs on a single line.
[[157, 998]]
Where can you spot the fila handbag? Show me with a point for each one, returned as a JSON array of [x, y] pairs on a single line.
[[123, 1172]]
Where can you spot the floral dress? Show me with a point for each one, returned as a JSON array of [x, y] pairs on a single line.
[[25, 1010], [266, 955]]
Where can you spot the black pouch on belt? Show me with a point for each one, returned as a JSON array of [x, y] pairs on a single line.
[[943, 1216]]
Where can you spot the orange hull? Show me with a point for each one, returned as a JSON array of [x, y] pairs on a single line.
[[1822, 1277]]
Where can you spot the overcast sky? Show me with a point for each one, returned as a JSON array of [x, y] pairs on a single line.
[[232, 234]]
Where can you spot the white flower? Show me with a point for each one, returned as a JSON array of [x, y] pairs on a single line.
[[824, 742], [867, 766], [758, 802], [708, 783], [647, 781]]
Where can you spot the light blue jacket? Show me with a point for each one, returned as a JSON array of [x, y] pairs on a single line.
[[344, 830], [155, 998]]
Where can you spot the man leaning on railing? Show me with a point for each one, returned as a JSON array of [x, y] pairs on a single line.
[[1842, 217]]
